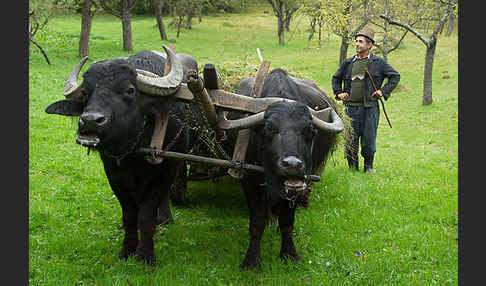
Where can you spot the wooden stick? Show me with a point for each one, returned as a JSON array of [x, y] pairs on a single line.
[[196, 86], [259, 55], [161, 121], [206, 160], [199, 159]]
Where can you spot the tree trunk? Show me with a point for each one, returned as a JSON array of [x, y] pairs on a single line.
[[287, 23], [429, 64], [86, 21], [179, 23], [200, 12], [280, 30], [320, 33], [158, 16], [344, 48], [124, 14], [313, 28], [190, 15], [450, 27], [385, 56], [127, 32]]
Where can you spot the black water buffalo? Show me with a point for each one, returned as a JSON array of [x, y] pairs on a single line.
[[291, 145], [115, 120]]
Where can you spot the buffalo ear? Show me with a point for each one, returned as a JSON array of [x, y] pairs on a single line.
[[66, 107]]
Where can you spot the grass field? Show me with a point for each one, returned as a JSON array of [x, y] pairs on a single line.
[[397, 227]]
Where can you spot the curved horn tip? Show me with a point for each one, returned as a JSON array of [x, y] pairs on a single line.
[[166, 48]]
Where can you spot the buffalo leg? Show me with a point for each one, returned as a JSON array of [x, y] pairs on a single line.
[[179, 187], [129, 218], [146, 224], [157, 196], [256, 206], [164, 215], [286, 226]]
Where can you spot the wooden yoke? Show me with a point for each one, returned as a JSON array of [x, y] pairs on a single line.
[[196, 85], [161, 121], [243, 138]]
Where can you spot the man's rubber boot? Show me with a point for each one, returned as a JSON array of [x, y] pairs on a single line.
[[368, 165]]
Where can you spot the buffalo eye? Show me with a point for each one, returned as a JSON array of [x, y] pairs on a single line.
[[131, 90]]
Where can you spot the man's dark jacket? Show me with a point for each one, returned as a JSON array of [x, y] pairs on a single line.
[[379, 70]]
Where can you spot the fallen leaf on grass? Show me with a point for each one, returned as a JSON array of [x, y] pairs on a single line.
[[128, 281], [151, 268]]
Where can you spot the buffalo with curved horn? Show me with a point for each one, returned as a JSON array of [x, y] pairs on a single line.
[[292, 139], [115, 119]]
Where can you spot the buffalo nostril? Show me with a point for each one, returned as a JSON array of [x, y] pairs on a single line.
[[100, 120], [292, 162], [92, 118]]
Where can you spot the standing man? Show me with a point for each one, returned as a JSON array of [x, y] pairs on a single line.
[[352, 85]]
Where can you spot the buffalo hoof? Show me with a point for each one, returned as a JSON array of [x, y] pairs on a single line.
[[290, 257], [163, 220], [164, 216], [178, 194], [251, 264], [147, 258], [125, 253], [128, 249]]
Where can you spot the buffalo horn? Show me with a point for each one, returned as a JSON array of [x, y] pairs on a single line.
[[335, 125], [242, 123], [153, 84], [71, 88]]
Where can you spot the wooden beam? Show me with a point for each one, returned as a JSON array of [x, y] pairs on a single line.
[[243, 138], [196, 86], [161, 120], [206, 160]]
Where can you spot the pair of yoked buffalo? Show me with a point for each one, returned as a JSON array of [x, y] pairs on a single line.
[[114, 120]]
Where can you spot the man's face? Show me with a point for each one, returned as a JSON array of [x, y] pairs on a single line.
[[361, 45]]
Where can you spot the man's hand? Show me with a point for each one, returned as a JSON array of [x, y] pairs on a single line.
[[343, 96], [377, 93]]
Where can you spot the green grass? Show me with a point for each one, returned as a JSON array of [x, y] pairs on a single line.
[[402, 220]]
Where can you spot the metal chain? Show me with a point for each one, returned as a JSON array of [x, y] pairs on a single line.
[[118, 158], [208, 135]]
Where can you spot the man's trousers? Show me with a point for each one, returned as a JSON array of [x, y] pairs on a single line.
[[364, 123]]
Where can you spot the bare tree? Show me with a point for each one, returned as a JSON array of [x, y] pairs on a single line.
[[283, 10], [124, 13], [348, 32], [430, 44], [450, 26], [86, 21], [388, 42], [191, 12], [158, 5], [32, 31], [40, 13]]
